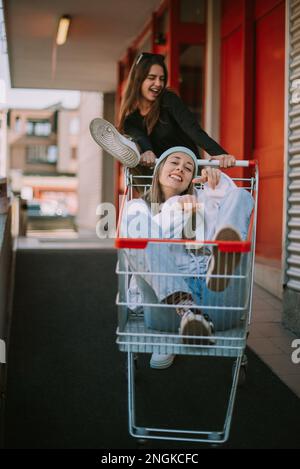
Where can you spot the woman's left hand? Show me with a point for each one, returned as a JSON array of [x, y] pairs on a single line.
[[148, 159], [226, 161], [210, 175]]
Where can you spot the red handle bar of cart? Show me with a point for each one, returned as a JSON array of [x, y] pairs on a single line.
[[223, 246]]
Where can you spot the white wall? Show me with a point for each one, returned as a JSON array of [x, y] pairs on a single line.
[[89, 163], [64, 148], [3, 143], [66, 141]]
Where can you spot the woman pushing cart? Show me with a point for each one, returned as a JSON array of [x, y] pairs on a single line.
[[185, 254]]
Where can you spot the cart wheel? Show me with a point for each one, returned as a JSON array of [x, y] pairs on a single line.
[[142, 441], [244, 361], [214, 436], [243, 370], [135, 364], [242, 376]]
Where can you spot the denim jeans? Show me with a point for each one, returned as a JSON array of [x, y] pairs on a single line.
[[164, 260], [225, 308]]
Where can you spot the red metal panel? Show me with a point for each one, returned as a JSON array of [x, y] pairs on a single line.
[[163, 6], [231, 124], [174, 45], [264, 7], [231, 16], [252, 104], [191, 33], [269, 126], [237, 79], [248, 77], [269, 98]]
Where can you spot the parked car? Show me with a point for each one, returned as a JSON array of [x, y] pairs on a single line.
[[50, 208]]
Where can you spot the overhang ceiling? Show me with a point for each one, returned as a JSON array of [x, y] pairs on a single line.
[[100, 32]]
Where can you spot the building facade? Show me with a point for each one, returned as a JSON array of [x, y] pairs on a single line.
[[42, 147]]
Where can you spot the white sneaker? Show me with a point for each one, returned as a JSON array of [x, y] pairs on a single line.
[[120, 147], [196, 325], [160, 362], [223, 263]]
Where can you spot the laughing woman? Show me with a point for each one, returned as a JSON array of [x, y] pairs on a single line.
[[155, 119]]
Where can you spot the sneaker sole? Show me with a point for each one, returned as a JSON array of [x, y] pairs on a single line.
[[161, 365], [196, 328], [223, 263], [108, 138]]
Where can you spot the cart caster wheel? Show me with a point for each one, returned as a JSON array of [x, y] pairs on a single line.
[[141, 432], [242, 376], [142, 442], [135, 365], [243, 370], [245, 361], [214, 436], [214, 445]]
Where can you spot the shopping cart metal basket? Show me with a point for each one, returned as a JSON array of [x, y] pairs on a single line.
[[148, 325]]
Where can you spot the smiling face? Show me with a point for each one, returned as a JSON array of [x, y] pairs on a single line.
[[176, 174], [153, 84]]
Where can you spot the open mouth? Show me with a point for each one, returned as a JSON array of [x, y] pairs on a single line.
[[155, 91], [175, 177]]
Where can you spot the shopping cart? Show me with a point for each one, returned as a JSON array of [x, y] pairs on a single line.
[[148, 325]]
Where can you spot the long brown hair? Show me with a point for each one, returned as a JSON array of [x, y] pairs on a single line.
[[132, 95]]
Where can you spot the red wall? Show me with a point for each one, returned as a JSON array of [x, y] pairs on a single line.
[[231, 126], [268, 138], [252, 103]]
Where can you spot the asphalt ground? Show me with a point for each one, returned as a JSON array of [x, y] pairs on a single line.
[[67, 380]]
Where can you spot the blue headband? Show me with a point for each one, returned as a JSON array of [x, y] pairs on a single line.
[[172, 150]]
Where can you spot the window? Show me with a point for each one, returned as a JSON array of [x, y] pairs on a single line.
[[192, 11], [191, 66], [73, 153], [18, 124], [39, 154], [38, 128], [162, 28], [74, 126], [52, 154]]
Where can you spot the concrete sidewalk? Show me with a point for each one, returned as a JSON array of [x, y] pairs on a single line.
[[271, 341]]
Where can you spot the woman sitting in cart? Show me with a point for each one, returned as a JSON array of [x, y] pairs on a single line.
[[166, 211]]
